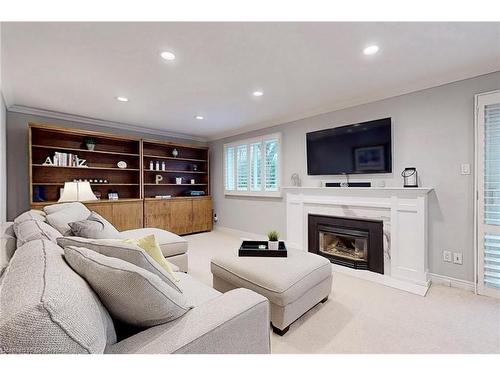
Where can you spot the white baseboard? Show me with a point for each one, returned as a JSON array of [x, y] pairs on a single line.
[[452, 282]]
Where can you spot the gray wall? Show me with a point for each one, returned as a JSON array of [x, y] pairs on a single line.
[[433, 130], [3, 151], [17, 154]]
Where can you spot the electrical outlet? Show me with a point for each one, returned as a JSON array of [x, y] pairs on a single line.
[[457, 258], [447, 256], [465, 168]]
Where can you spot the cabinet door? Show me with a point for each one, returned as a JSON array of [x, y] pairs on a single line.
[[157, 214], [181, 216], [103, 209], [127, 215], [202, 215]]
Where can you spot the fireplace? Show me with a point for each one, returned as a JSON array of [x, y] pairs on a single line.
[[355, 243]]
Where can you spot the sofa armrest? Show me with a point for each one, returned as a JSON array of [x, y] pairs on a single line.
[[234, 322]]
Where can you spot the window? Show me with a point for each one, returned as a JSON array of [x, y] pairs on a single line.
[[252, 166]]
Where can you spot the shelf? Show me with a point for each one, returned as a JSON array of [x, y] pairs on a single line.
[[98, 201], [182, 197], [99, 168], [173, 171], [173, 158], [92, 183], [87, 151], [175, 184]]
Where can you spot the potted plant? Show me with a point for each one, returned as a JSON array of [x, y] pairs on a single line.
[[90, 143], [273, 237]]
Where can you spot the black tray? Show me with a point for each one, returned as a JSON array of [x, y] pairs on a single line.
[[251, 249]]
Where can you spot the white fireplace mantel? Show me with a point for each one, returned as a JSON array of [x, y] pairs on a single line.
[[402, 210]]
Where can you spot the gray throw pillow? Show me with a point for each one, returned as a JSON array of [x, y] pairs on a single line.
[[30, 215], [95, 226], [130, 293], [119, 249], [31, 230]]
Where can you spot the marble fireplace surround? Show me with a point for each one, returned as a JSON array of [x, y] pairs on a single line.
[[404, 215]]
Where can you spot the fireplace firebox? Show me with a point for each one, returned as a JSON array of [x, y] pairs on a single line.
[[355, 243]]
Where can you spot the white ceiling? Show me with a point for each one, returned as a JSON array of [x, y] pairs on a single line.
[[302, 68]]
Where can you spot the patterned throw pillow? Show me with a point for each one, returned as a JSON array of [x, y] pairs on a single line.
[[95, 226]]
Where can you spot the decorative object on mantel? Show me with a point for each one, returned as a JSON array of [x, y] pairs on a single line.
[[175, 153], [295, 179], [410, 177], [122, 164], [273, 237], [79, 191], [158, 178], [90, 143]]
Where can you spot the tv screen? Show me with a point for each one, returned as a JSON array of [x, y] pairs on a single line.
[[352, 149]]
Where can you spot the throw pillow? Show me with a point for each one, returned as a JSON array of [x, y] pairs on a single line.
[[150, 246], [130, 293], [60, 215], [31, 230], [118, 249], [30, 215], [95, 226]]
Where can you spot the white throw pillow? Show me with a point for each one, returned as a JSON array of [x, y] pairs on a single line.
[[60, 215], [130, 293], [31, 230], [30, 215]]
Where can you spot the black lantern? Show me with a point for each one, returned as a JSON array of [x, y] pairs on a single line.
[[410, 177]]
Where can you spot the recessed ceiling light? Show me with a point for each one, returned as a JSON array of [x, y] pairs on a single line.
[[199, 117], [167, 55], [257, 93], [122, 99], [371, 50]]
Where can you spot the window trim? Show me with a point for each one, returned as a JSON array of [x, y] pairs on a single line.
[[248, 142]]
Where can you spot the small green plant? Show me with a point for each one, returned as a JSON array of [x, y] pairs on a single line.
[[90, 141], [273, 235]]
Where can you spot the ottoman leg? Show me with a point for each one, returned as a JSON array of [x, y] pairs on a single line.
[[280, 332], [324, 299]]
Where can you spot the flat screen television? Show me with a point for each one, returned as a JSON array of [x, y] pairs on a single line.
[[352, 149]]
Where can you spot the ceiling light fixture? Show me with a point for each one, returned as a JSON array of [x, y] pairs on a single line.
[[122, 99], [257, 93], [371, 50], [199, 117], [167, 55]]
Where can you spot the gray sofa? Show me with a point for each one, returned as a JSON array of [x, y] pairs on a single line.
[[46, 307]]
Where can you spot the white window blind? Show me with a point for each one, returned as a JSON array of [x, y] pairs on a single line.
[[229, 168], [271, 164], [255, 167], [492, 193], [242, 167], [252, 166]]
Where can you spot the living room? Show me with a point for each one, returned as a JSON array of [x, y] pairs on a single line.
[[312, 187]]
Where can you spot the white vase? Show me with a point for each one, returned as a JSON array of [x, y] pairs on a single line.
[[273, 245], [90, 146]]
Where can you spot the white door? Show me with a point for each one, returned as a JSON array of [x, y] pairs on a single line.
[[488, 193]]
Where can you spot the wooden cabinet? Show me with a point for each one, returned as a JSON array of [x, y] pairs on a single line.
[[179, 215], [124, 214]]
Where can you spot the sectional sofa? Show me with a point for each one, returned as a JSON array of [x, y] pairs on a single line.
[[47, 307]]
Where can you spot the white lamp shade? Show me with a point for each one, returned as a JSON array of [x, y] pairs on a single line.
[[77, 191]]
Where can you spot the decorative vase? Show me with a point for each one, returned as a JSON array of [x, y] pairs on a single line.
[[273, 245], [90, 146], [175, 153]]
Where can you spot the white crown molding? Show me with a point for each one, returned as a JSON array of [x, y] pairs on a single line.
[[93, 121]]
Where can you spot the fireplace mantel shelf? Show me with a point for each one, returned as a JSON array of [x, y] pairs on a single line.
[[365, 189]]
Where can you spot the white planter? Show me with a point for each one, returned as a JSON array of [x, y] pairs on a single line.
[[273, 245], [90, 146]]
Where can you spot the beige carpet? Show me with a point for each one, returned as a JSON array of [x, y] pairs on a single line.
[[365, 317]]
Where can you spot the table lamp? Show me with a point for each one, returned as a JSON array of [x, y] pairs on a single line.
[[77, 191]]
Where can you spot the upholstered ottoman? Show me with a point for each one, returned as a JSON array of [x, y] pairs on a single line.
[[293, 285]]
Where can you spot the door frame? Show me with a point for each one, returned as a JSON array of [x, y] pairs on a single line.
[[479, 289]]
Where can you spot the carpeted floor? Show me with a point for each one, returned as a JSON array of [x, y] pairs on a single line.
[[365, 317]]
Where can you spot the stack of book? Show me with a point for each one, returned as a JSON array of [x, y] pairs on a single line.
[[63, 159]]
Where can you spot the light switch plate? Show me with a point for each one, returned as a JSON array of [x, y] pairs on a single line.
[[465, 168], [457, 258], [447, 256]]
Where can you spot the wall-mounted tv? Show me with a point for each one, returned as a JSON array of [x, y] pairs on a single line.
[[352, 149]]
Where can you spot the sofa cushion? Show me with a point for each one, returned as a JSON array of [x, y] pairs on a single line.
[[60, 215], [170, 243], [197, 292], [48, 308], [95, 226], [8, 243], [130, 293], [30, 215], [30, 230], [119, 249]]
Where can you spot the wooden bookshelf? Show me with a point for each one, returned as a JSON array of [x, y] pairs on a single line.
[[136, 187]]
